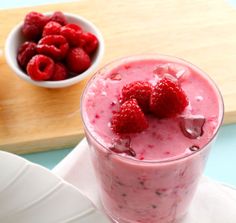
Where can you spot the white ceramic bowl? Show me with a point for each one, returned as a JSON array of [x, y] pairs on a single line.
[[15, 39]]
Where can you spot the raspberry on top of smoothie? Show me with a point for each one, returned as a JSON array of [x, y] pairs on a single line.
[[164, 100], [141, 91], [129, 119], [167, 99]]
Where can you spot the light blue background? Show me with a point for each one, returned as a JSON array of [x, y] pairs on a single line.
[[4, 4], [19, 3], [222, 162]]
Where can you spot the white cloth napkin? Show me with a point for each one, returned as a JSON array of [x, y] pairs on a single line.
[[213, 202]]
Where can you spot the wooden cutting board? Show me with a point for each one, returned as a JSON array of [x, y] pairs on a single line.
[[203, 32]]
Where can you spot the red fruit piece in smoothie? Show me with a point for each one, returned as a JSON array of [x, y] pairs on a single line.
[[130, 118], [167, 99], [141, 91], [115, 76], [192, 126]]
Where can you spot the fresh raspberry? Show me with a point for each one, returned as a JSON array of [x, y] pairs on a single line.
[[59, 73], [130, 118], [25, 52], [54, 46], [77, 60], [88, 42], [139, 90], [33, 25], [40, 68], [72, 33], [52, 28], [167, 99], [58, 17]]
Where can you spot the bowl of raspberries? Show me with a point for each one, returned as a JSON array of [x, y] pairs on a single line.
[[54, 50]]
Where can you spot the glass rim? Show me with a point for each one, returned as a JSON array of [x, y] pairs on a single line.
[[170, 59]]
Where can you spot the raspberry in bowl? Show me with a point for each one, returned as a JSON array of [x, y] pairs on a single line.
[[54, 50]]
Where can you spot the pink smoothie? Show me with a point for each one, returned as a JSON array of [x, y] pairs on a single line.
[[157, 183]]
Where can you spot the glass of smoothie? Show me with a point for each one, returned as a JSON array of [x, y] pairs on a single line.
[[150, 121]]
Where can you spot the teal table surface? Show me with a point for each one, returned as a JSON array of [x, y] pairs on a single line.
[[222, 161]]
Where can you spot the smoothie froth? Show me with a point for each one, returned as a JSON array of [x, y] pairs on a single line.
[[102, 99]]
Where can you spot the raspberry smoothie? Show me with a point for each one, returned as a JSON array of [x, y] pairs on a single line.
[[149, 169]]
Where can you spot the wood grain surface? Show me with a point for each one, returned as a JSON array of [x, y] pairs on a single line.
[[203, 32]]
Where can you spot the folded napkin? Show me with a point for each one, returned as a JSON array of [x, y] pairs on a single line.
[[213, 202]]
